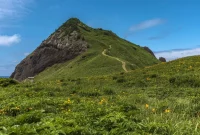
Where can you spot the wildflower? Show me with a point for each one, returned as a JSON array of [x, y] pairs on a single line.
[[153, 110], [103, 100], [148, 79], [147, 106], [167, 110], [17, 108], [67, 102]]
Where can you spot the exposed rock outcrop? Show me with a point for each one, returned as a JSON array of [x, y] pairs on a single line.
[[58, 48], [162, 59], [149, 50]]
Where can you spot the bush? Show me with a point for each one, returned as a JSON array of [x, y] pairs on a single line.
[[7, 82]]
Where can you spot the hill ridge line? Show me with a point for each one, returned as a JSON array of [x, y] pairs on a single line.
[[123, 63]]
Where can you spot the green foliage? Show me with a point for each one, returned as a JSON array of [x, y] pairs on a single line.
[[108, 91], [185, 80], [7, 82], [90, 93]]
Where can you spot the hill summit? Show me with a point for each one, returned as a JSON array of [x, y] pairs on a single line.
[[76, 49]]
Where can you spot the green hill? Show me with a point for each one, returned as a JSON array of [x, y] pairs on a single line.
[[161, 99], [119, 55]]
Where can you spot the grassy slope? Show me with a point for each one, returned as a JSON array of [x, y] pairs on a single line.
[[93, 63], [162, 99]]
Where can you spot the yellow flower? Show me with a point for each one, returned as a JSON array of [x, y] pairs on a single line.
[[167, 110], [68, 100], [100, 102], [153, 110], [17, 108], [147, 106], [103, 100]]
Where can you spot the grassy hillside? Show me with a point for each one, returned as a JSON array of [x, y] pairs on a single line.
[[92, 62], [163, 99]]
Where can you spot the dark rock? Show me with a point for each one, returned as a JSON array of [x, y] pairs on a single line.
[[162, 59], [58, 48], [149, 50]]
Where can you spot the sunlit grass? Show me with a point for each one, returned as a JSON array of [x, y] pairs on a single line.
[[161, 99]]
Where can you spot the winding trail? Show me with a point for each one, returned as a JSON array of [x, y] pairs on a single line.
[[123, 63]]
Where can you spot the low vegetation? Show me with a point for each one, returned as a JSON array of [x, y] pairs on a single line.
[[162, 99]]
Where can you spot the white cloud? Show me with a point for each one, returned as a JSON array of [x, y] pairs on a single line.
[[10, 13], [146, 24], [26, 54], [174, 54], [9, 40]]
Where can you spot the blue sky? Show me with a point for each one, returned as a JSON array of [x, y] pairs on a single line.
[[169, 27]]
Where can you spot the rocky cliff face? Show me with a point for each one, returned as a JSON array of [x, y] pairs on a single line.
[[149, 50], [58, 48]]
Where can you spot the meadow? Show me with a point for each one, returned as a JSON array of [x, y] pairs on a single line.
[[162, 99]]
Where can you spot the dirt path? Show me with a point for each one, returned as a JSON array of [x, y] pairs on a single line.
[[123, 63]]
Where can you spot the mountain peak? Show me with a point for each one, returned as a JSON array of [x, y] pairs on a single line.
[[73, 20]]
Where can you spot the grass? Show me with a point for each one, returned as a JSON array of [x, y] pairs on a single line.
[[162, 99]]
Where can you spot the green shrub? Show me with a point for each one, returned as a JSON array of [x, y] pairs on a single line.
[[7, 82], [160, 129]]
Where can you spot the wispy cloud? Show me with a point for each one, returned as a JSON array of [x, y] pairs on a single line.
[[146, 24], [177, 53], [9, 40], [10, 9]]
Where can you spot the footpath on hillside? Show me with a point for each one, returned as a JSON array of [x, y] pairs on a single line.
[[123, 63]]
